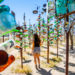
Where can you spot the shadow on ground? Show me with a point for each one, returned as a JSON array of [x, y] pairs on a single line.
[[52, 54], [72, 64], [44, 47], [71, 52], [44, 72], [27, 61], [29, 54], [59, 69], [56, 54]]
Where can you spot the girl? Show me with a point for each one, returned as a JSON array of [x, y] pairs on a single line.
[[36, 49]]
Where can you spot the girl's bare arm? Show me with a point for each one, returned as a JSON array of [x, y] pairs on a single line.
[[33, 46], [40, 42]]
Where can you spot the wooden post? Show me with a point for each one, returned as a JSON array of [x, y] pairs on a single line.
[[21, 39], [24, 32], [57, 42], [3, 38], [67, 51], [67, 44], [48, 45], [21, 57], [21, 52], [47, 35], [57, 29]]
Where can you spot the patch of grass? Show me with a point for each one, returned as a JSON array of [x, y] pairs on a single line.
[[48, 65], [24, 57], [55, 59], [44, 54], [52, 53], [52, 63], [26, 70]]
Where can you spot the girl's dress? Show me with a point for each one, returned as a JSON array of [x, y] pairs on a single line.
[[36, 48]]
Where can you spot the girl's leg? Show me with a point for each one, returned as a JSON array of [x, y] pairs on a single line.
[[38, 57], [35, 60]]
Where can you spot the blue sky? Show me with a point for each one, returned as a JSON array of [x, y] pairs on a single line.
[[27, 6]]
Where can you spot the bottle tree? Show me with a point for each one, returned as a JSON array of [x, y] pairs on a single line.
[[19, 35], [25, 32], [72, 32], [48, 10], [29, 33], [39, 24], [68, 9], [43, 30], [57, 34], [25, 39], [46, 28]]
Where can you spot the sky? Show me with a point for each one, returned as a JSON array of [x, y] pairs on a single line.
[[25, 6]]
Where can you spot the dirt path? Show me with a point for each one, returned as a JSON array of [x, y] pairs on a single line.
[[58, 70]]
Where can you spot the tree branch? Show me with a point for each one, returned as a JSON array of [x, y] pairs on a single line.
[[73, 23], [73, 12]]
